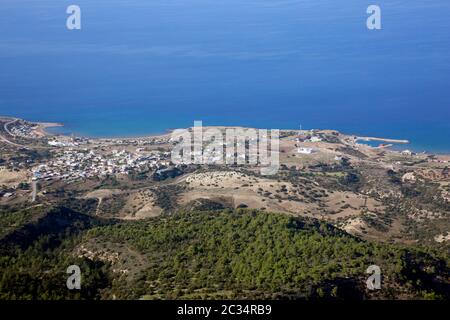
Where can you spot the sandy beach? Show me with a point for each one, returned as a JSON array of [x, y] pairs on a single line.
[[42, 126]]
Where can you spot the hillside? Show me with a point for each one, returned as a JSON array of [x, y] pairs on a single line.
[[222, 254]]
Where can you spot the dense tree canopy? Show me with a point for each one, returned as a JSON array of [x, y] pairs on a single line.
[[218, 254]]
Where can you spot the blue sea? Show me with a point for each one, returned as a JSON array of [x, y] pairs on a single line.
[[143, 66]]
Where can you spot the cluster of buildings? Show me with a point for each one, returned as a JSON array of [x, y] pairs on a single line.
[[75, 164], [145, 141], [23, 130], [65, 141]]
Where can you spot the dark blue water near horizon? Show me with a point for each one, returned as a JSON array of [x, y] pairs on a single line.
[[140, 67]]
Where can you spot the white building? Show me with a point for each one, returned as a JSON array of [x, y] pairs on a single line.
[[305, 150], [315, 139], [407, 153]]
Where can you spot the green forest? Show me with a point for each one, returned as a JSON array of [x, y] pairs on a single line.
[[223, 254]]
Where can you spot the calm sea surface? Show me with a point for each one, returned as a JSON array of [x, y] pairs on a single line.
[[140, 67]]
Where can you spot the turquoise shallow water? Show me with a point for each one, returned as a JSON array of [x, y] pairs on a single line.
[[141, 67]]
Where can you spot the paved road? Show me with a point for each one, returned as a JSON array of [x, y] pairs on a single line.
[[12, 143], [33, 190], [5, 127]]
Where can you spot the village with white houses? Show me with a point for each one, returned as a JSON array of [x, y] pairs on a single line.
[[35, 155], [73, 164]]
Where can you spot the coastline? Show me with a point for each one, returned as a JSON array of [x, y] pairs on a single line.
[[396, 141], [43, 126]]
